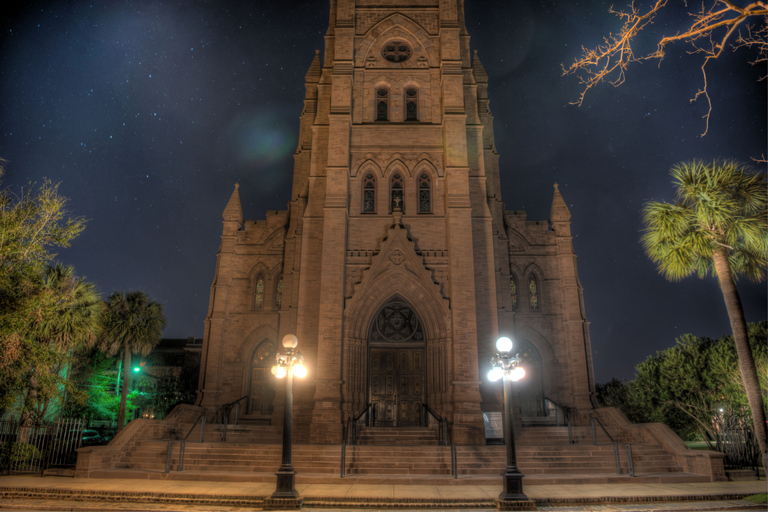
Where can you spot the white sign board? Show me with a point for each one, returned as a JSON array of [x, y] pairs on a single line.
[[494, 426]]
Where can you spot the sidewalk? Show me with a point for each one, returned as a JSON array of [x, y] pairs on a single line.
[[24, 492]]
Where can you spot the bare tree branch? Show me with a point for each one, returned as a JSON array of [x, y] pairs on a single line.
[[709, 33]]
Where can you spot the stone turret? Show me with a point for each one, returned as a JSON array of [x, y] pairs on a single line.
[[560, 215], [315, 70], [233, 213]]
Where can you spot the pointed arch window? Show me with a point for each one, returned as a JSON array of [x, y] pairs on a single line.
[[369, 193], [513, 291], [261, 385], [279, 292], [382, 104], [396, 192], [411, 104], [258, 295], [533, 293], [425, 193]]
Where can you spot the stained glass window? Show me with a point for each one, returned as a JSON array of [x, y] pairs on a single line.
[[411, 104], [258, 298], [369, 193], [513, 291], [425, 193], [396, 51], [279, 292], [533, 292], [397, 322], [382, 104], [396, 192]]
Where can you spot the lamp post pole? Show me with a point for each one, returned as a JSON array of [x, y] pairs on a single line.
[[513, 478], [288, 365], [286, 476], [506, 367]]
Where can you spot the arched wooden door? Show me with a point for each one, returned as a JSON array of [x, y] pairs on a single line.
[[261, 383], [396, 366]]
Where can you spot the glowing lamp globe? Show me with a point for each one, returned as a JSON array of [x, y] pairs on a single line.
[[504, 344], [518, 373], [495, 374], [290, 341], [300, 371], [279, 371]]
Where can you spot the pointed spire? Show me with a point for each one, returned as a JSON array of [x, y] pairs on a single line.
[[315, 69], [234, 211], [559, 211], [478, 70]]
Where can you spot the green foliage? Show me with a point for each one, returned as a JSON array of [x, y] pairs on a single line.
[[131, 324], [685, 386], [758, 498], [22, 454], [94, 377], [45, 311], [719, 206]]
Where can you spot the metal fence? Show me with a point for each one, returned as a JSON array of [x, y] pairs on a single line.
[[736, 439], [32, 449]]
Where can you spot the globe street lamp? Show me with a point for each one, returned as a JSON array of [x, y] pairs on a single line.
[[288, 365], [507, 367]]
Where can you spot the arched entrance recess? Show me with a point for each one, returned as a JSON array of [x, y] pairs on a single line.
[[396, 366], [261, 383], [531, 388]]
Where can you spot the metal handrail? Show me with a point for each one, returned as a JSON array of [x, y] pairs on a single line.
[[596, 421], [442, 425], [202, 429], [566, 411], [352, 430], [344, 441]]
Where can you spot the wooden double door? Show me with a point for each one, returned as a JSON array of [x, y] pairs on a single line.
[[396, 385]]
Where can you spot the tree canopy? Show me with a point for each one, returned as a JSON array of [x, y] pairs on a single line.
[[687, 385]]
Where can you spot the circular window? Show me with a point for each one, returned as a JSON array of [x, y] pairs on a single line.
[[396, 51]]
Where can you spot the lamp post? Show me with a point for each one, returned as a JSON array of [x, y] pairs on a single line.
[[507, 367], [288, 365]]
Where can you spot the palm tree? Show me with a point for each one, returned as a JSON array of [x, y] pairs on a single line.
[[132, 323], [67, 312], [716, 226]]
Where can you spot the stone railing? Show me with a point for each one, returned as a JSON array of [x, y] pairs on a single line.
[[702, 462], [96, 458]]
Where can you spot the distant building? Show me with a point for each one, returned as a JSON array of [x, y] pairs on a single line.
[[397, 264]]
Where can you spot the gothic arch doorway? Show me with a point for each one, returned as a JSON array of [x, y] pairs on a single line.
[[531, 388], [261, 384], [396, 366]]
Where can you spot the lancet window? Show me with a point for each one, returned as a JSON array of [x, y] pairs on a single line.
[[382, 104], [279, 292], [396, 192], [533, 293], [411, 104], [258, 296], [425, 193], [369, 193], [513, 291]]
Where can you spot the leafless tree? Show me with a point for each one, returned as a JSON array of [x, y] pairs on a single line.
[[718, 25]]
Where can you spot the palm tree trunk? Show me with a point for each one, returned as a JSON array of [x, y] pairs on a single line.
[[746, 361], [124, 393]]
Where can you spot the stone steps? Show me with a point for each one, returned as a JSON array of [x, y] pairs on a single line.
[[537, 455]]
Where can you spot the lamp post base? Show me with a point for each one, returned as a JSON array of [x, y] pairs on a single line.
[[512, 486], [286, 484]]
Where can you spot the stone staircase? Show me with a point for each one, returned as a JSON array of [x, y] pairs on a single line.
[[398, 436], [244, 433], [542, 453]]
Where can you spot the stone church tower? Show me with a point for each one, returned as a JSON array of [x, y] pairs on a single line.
[[396, 264]]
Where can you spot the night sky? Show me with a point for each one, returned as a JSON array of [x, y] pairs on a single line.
[[149, 112]]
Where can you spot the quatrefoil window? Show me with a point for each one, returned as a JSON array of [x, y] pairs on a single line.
[[396, 51]]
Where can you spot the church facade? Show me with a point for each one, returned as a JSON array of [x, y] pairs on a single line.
[[396, 264]]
